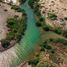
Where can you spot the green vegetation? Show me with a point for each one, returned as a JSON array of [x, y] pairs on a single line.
[[34, 5], [52, 16], [31, 3], [33, 62], [65, 33], [16, 8], [38, 24], [17, 27], [50, 37], [41, 21], [5, 43], [45, 45], [46, 28], [65, 18], [60, 40], [58, 31], [45, 64]]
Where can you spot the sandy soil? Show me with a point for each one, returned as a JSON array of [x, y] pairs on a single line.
[[3, 18], [9, 55], [58, 7]]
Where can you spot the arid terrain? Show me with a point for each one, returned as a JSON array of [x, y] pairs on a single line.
[[5, 13], [38, 39], [57, 7], [52, 22]]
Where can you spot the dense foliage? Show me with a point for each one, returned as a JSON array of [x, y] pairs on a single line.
[[16, 28]]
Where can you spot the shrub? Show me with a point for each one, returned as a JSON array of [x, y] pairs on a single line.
[[41, 19], [42, 48], [38, 24], [14, 7], [37, 12], [45, 46], [58, 30], [65, 33], [65, 18], [52, 16], [31, 3], [16, 16], [51, 39], [10, 35], [46, 28], [60, 40], [17, 27], [45, 64], [34, 61], [17, 8], [5, 10], [53, 51], [5, 43]]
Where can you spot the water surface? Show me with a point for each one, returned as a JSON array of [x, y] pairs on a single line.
[[30, 39]]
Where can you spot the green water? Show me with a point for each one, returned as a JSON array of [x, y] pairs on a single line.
[[32, 33], [30, 39]]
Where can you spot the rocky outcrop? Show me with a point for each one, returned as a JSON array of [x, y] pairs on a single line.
[[16, 2]]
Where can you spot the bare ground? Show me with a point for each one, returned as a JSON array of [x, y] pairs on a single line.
[[58, 7], [3, 18]]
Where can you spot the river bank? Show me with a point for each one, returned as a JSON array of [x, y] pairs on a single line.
[[21, 51], [10, 20], [53, 46]]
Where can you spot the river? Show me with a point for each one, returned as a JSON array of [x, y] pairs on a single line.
[[32, 33], [31, 37]]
